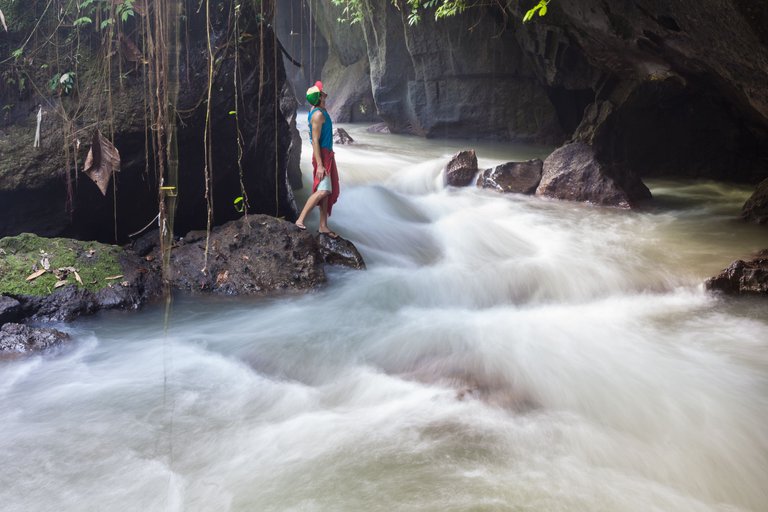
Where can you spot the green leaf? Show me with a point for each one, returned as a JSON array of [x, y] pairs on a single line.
[[85, 20], [238, 203], [106, 23], [85, 4], [17, 53], [232, 112], [541, 7]]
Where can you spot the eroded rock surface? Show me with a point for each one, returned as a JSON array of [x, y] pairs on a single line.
[[22, 339], [340, 251], [513, 177], [461, 169], [743, 277], [256, 255]]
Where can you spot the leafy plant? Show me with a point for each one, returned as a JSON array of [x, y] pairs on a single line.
[[125, 10], [80, 22], [62, 83], [541, 7], [239, 204]]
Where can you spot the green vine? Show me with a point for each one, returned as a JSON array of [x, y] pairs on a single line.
[[352, 10]]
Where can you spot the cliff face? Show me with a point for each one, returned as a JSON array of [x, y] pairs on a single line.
[[678, 88], [34, 195], [455, 76]]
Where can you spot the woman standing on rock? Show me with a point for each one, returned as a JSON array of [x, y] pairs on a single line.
[[325, 186]]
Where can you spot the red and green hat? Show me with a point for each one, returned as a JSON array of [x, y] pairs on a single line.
[[314, 93]]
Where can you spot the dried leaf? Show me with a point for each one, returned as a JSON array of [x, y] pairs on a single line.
[[2, 19], [102, 161], [77, 277], [37, 274], [90, 253], [112, 278], [45, 263], [59, 284], [149, 257], [125, 284]]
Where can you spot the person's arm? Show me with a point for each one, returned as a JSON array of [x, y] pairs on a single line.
[[318, 119]]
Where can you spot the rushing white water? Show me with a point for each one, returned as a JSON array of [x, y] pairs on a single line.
[[500, 353]]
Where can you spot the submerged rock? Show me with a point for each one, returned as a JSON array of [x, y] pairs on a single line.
[[21, 339], [339, 251], [256, 255], [461, 169], [515, 177], [743, 277], [574, 173]]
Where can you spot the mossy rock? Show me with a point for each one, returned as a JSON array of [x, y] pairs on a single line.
[[20, 256]]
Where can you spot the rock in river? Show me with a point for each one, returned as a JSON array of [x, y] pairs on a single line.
[[743, 277], [515, 177], [21, 339]]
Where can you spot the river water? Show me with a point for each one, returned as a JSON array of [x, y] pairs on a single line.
[[500, 353]]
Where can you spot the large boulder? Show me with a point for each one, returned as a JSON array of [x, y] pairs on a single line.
[[573, 173], [18, 339], [254, 255], [743, 277], [756, 207], [514, 177], [461, 169]]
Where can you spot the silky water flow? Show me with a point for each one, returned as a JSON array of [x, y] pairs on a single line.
[[501, 352]]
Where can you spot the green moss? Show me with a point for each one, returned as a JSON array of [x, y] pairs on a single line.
[[20, 256]]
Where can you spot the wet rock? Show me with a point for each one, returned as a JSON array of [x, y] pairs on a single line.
[[146, 243], [756, 207], [139, 283], [743, 277], [461, 169], [10, 309], [574, 173], [340, 251], [515, 177], [257, 255], [378, 128], [21, 339], [83, 278], [340, 136]]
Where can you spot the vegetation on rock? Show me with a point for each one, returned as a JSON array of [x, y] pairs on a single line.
[[23, 255]]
